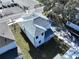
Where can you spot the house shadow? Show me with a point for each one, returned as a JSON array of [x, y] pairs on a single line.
[[46, 51]]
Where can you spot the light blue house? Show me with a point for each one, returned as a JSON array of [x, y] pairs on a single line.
[[73, 23], [73, 26], [7, 40], [37, 28]]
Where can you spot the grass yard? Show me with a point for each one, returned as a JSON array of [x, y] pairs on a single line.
[[47, 51]]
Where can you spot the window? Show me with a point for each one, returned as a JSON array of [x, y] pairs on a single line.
[[0, 7], [5, 6], [36, 37], [15, 4], [40, 41], [9, 6], [42, 34], [12, 5]]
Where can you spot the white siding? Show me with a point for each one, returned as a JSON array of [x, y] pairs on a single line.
[[40, 38], [28, 35]]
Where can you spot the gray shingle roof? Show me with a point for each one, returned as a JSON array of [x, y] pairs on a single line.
[[34, 30], [29, 26], [41, 22]]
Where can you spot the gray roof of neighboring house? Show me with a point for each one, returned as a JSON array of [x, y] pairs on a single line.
[[5, 31], [72, 25], [6, 2], [30, 3], [32, 28]]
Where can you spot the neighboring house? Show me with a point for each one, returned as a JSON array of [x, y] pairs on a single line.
[[6, 2], [37, 28], [73, 24], [30, 4], [72, 53], [10, 11], [58, 56], [7, 40], [73, 28]]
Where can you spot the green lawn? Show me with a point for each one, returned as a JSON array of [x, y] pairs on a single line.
[[21, 42], [46, 51]]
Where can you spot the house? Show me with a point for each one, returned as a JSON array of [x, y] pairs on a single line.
[[58, 56], [74, 28], [37, 28], [30, 4], [10, 10], [73, 24], [72, 53], [7, 40]]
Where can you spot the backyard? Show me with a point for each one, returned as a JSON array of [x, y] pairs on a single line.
[[47, 51]]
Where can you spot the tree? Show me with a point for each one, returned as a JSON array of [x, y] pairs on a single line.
[[69, 8], [60, 10]]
